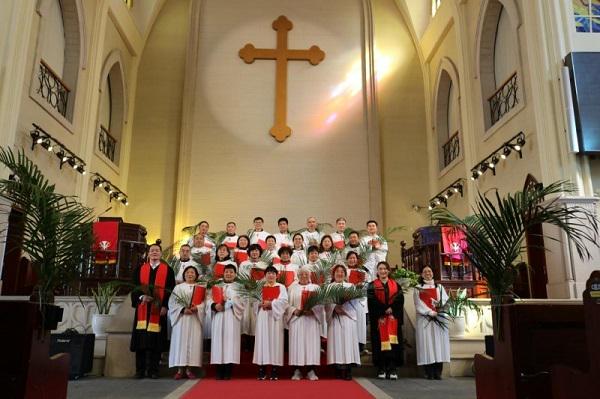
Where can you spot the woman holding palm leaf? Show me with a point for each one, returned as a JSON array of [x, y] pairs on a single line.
[[304, 326]]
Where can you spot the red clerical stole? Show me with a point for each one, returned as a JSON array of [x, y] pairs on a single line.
[[388, 325], [428, 295], [270, 293], [304, 298], [198, 295], [160, 281], [217, 294]]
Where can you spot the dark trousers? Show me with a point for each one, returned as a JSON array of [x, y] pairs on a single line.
[[147, 360]]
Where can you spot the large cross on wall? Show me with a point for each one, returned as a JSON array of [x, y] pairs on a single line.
[[281, 55]]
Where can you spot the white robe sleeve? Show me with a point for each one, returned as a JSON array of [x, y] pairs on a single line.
[[238, 302], [175, 309], [279, 305]]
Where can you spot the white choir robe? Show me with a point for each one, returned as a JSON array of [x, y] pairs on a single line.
[[226, 328], [260, 238], [378, 255], [219, 267], [311, 238], [361, 309], [272, 254], [182, 265], [231, 242], [342, 334], [204, 255], [339, 240], [249, 317], [288, 268], [186, 330], [268, 344], [283, 240], [433, 341], [305, 330], [299, 257]]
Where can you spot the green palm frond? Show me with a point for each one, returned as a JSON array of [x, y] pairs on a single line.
[[496, 231], [57, 229], [248, 287], [338, 294], [389, 232], [217, 237]]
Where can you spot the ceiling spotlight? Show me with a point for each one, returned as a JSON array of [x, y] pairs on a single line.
[[108, 189], [479, 172], [437, 201], [521, 141], [505, 152], [455, 189], [474, 175], [97, 183], [82, 170], [125, 201], [431, 206], [447, 194], [45, 143]]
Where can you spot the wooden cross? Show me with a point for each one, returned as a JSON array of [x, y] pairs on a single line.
[[281, 55]]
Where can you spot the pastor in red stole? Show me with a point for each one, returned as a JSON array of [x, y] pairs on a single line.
[[386, 310], [154, 281]]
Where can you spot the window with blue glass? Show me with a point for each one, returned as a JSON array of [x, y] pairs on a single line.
[[587, 15]]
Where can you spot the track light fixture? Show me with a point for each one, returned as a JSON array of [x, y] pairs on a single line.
[[49, 143], [443, 196], [490, 162], [114, 193]]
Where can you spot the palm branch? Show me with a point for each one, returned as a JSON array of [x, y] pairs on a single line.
[[248, 287], [385, 236], [57, 229], [496, 230], [338, 294], [322, 270], [217, 237]]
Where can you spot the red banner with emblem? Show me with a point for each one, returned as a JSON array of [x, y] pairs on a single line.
[[106, 242]]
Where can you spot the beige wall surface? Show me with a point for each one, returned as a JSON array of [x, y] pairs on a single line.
[[237, 170]]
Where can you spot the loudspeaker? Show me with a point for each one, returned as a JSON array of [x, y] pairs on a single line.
[[79, 346]]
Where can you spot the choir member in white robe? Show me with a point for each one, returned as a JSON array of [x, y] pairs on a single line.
[[328, 252], [338, 237], [258, 235], [353, 245], [288, 271], [304, 328], [357, 276], [314, 265], [231, 237], [203, 251], [222, 259], [342, 332], [298, 251], [255, 268], [268, 346], [433, 341], [240, 254], [378, 246], [284, 238], [271, 250], [226, 323], [185, 260], [186, 322], [311, 235]]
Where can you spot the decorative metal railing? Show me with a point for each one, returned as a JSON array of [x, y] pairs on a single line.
[[107, 144], [451, 149], [52, 88], [504, 98]]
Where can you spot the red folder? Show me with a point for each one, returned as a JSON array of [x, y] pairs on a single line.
[[356, 277], [339, 244], [240, 256], [270, 293], [305, 295], [218, 270], [257, 274], [217, 294], [205, 259], [317, 280], [198, 295]]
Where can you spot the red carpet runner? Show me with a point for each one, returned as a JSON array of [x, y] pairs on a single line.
[[251, 388]]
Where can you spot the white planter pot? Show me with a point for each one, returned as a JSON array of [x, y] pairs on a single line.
[[101, 323], [457, 327]]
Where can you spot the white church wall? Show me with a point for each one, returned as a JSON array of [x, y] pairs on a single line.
[[237, 170], [401, 111]]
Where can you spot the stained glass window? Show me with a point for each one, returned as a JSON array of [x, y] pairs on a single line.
[[587, 15]]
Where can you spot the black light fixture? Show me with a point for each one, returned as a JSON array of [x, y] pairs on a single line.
[[49, 143], [443, 196], [114, 193], [490, 162]]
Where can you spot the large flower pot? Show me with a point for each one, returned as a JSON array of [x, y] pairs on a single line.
[[457, 327], [101, 323]]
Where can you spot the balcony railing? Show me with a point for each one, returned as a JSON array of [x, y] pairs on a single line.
[[52, 88], [107, 144], [504, 98], [451, 149]]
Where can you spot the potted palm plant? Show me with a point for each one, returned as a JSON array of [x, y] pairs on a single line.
[[495, 233], [57, 231], [103, 296], [456, 307]]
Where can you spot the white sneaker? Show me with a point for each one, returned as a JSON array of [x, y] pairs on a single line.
[[381, 375], [393, 376], [312, 375], [297, 375]]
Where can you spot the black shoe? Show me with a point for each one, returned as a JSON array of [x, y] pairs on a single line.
[[228, 369], [139, 375], [437, 377], [348, 374], [220, 372], [262, 373], [274, 376], [338, 374], [153, 375]]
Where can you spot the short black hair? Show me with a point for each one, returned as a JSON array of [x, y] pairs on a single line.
[[312, 248], [185, 245], [284, 249], [372, 221], [203, 221], [270, 236], [233, 223], [258, 218], [237, 244], [253, 247], [354, 232], [352, 253], [230, 266], [282, 220], [195, 270], [271, 269]]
